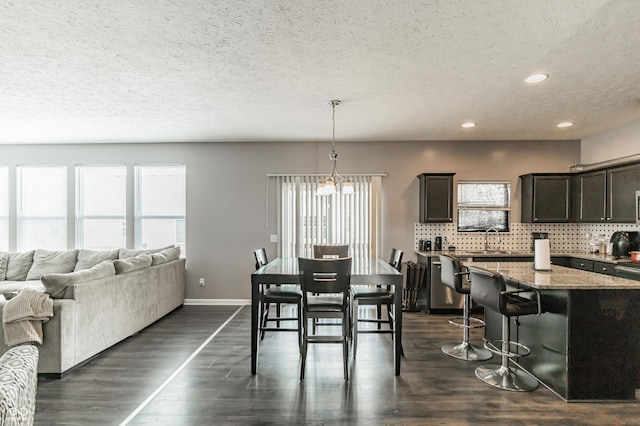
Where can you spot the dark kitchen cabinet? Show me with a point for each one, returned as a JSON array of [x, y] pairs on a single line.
[[622, 183], [436, 197], [591, 194], [546, 198], [607, 195]]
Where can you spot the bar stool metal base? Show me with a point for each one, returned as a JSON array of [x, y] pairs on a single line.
[[511, 379], [466, 351]]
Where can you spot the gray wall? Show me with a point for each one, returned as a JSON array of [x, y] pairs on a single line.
[[226, 188]]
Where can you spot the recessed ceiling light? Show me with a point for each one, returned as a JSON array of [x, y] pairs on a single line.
[[469, 124], [565, 124], [536, 78]]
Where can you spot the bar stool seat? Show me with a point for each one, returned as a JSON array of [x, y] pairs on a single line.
[[489, 289], [454, 276]]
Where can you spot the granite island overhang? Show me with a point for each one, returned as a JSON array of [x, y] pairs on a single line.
[[585, 346]]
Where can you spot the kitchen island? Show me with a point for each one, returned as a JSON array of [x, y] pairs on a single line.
[[585, 346]]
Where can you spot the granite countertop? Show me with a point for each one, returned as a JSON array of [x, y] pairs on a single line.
[[559, 278], [478, 254]]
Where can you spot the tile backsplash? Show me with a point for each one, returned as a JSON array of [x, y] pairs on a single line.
[[562, 236]]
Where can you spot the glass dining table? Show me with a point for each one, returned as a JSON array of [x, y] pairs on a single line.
[[364, 271]]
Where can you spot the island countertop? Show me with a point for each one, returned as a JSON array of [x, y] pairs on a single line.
[[558, 278]]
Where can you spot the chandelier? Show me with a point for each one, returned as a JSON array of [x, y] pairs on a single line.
[[334, 182]]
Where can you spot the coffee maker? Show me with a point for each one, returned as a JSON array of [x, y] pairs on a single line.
[[623, 243]]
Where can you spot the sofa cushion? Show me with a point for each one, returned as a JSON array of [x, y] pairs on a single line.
[[132, 263], [4, 261], [52, 262], [166, 255], [19, 265], [56, 284], [90, 258], [14, 286], [127, 253]]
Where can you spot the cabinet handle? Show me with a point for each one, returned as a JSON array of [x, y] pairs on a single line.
[[581, 264], [604, 269], [602, 219]]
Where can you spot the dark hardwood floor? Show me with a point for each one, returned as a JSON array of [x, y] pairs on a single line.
[[215, 387]]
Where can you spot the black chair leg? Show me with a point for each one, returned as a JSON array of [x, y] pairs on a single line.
[[265, 318]]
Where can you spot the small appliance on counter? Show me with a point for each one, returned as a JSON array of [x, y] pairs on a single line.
[[438, 244], [425, 245], [623, 243]]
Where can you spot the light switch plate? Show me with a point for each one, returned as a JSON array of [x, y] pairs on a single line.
[[274, 238]]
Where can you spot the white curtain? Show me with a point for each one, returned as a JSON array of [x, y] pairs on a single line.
[[305, 219]]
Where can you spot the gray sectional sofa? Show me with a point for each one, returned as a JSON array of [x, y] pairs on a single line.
[[99, 297]]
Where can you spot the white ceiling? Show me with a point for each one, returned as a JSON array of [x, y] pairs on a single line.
[[264, 70]]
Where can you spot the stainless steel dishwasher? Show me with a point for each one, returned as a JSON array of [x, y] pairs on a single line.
[[443, 299]]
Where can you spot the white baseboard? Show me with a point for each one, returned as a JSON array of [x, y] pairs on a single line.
[[234, 302]]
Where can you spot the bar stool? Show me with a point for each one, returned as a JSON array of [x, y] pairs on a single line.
[[489, 290], [455, 276]]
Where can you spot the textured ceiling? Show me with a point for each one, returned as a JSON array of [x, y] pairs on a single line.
[[264, 70]]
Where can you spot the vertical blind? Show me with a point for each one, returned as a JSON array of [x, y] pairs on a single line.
[[305, 219]]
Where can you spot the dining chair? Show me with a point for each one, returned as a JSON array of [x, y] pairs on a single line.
[[328, 252], [325, 294], [278, 295], [377, 296]]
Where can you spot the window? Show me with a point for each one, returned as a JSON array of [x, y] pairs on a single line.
[[42, 207], [4, 209], [483, 205], [101, 207], [306, 219], [160, 206]]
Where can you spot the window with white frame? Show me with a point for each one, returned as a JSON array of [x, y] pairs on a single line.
[[42, 207], [306, 219], [101, 207], [483, 206], [4, 208], [160, 206]]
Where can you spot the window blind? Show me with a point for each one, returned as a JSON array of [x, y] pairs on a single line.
[[305, 219]]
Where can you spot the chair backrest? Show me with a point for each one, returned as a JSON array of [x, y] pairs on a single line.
[[322, 276], [452, 274], [486, 288], [261, 258], [395, 259], [322, 252]]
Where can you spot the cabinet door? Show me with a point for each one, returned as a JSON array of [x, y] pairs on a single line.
[[436, 198], [622, 183], [551, 199], [591, 193]]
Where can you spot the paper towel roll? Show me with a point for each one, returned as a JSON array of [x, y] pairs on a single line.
[[542, 256]]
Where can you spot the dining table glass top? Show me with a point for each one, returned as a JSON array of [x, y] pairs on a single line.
[[363, 266]]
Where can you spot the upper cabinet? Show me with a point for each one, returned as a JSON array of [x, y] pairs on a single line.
[[436, 197], [622, 184], [546, 198], [607, 195], [591, 194]]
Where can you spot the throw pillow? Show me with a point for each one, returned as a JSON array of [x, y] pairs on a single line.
[[165, 256], [56, 284], [90, 258], [4, 261], [52, 262], [19, 265], [132, 263], [127, 253]]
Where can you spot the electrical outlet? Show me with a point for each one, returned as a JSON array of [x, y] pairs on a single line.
[[201, 282]]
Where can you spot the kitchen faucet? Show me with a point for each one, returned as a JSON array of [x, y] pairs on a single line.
[[486, 238]]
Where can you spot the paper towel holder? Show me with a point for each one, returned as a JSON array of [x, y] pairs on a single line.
[[541, 255]]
